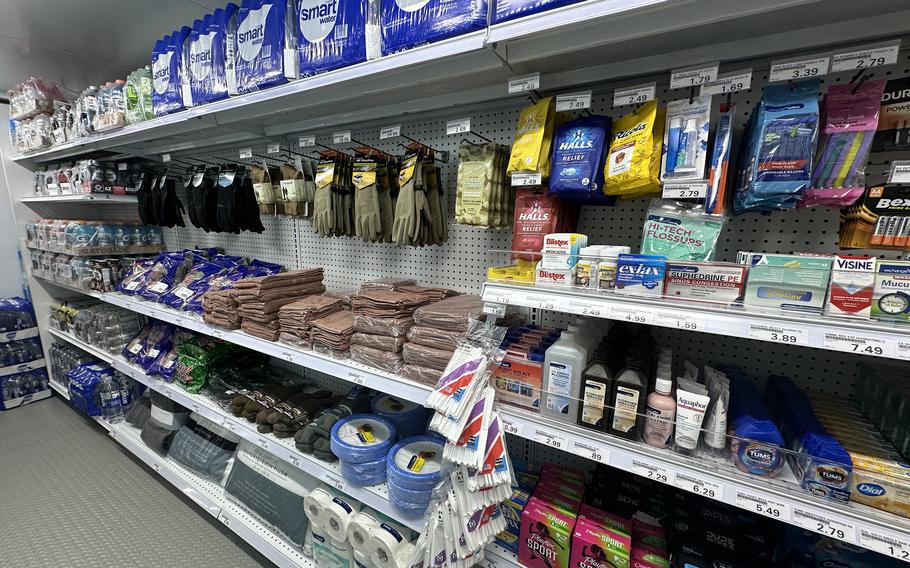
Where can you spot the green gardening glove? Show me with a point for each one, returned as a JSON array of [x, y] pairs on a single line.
[[368, 225], [406, 221], [323, 216]]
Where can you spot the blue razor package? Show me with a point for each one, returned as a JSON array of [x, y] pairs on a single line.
[[409, 23], [206, 56], [505, 10], [576, 172], [262, 38], [330, 34], [781, 135]]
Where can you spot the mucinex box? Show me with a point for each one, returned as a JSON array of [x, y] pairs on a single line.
[[891, 296]]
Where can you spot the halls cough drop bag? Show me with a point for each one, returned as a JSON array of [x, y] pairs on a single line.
[[530, 152], [633, 162]]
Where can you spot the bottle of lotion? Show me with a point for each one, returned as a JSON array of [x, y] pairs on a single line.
[[660, 410]]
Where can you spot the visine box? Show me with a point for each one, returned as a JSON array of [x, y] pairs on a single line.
[[852, 284], [786, 281], [560, 250]]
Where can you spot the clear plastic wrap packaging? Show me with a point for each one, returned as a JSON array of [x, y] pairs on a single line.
[[392, 327], [415, 354], [329, 352], [450, 314], [385, 360], [437, 338], [386, 283], [408, 24], [296, 341], [381, 342]]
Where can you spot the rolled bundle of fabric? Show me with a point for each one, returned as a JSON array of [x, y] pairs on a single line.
[[204, 447], [436, 338], [376, 341], [166, 417], [416, 354], [296, 317]]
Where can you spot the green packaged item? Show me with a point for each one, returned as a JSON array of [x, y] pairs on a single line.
[[680, 230], [197, 358]]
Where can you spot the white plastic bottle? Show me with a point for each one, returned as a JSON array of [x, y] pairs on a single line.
[[563, 365]]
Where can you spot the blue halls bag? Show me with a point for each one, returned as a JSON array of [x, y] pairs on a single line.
[[330, 34], [409, 23], [264, 39], [579, 151]]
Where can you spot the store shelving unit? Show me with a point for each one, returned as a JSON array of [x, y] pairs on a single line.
[[93, 198], [860, 336]]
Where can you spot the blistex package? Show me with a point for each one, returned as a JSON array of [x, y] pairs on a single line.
[[680, 230], [409, 23], [791, 282], [505, 10], [578, 154], [632, 168], [891, 298], [265, 41], [167, 68], [776, 164], [685, 147], [205, 56], [332, 33]]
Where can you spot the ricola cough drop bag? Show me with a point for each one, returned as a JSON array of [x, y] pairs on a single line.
[[265, 41]]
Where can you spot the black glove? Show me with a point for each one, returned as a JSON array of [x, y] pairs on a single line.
[[248, 209], [210, 183], [171, 210], [198, 188], [191, 199], [226, 188], [145, 199]]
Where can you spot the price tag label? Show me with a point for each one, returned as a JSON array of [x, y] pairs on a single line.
[[694, 75], [699, 485], [121, 167], [585, 308], [652, 471], [288, 356], [342, 137], [686, 190], [357, 378], [789, 334], [459, 126], [225, 520], [524, 83], [157, 467], [334, 481], [635, 94], [178, 322], [229, 424], [885, 543], [852, 343], [263, 443], [510, 427], [900, 171], [307, 141], [246, 153], [217, 333], [294, 461], [681, 321], [591, 451], [168, 394], [165, 158], [542, 302], [520, 179], [866, 56], [390, 131], [551, 439], [772, 508], [573, 101], [825, 524], [634, 315], [195, 408], [496, 297], [789, 69], [731, 83], [497, 310], [273, 149]]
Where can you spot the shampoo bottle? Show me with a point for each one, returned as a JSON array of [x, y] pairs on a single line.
[[564, 362], [660, 410]]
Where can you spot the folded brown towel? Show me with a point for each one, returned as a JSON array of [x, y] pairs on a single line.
[[432, 337], [256, 330], [386, 283], [426, 356], [381, 342], [382, 303], [432, 294], [333, 331], [450, 314], [280, 280], [393, 327], [385, 360], [423, 375]]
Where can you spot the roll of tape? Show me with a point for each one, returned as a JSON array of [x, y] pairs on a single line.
[[361, 528], [370, 473], [337, 515], [410, 419], [362, 438]]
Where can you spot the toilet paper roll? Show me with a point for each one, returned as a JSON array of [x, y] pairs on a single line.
[[404, 554], [313, 504], [337, 515], [361, 528], [384, 544], [362, 560]]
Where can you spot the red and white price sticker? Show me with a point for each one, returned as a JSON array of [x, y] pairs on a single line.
[[591, 451], [763, 505], [789, 334], [860, 344], [886, 543], [699, 485], [653, 471], [823, 523]]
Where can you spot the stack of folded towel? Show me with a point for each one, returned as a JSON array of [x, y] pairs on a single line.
[[437, 329], [295, 319], [260, 298], [332, 334], [382, 319]]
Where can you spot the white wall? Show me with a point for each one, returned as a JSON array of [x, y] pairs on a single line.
[[12, 278]]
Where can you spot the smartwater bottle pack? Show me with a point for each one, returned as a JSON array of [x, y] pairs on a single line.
[[409, 23], [206, 54], [167, 96], [331, 34], [578, 154], [265, 40], [505, 10]]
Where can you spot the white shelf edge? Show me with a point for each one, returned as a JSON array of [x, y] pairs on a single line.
[[94, 198], [19, 335], [59, 389], [620, 452], [803, 329]]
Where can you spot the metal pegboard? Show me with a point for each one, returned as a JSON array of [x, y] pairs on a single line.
[[275, 244]]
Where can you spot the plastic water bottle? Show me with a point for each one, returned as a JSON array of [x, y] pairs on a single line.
[[109, 391], [126, 392]]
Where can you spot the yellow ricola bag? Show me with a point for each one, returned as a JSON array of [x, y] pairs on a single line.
[[530, 133], [633, 163]]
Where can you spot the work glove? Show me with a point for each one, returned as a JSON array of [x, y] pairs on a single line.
[[226, 201], [210, 183], [171, 210], [406, 222], [434, 232], [424, 217], [247, 212], [323, 217], [368, 224], [441, 206], [386, 207], [309, 178], [145, 199], [197, 183], [190, 198]]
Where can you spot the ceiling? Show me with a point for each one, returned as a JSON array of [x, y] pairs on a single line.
[[86, 42]]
